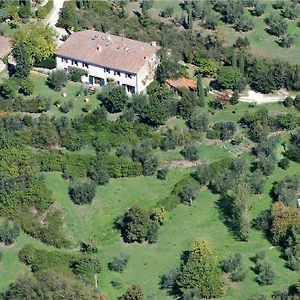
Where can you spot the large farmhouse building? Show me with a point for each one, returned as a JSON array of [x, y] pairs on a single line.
[[109, 58]]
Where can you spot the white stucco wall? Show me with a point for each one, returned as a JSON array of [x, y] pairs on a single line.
[[139, 81]]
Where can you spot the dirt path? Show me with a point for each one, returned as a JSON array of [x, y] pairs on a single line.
[[259, 98], [184, 164], [52, 19]]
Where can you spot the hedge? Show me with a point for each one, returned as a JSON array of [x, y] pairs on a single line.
[[43, 11]]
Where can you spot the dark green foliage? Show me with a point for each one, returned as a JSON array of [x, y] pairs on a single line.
[[288, 102], [23, 60], [119, 263], [200, 90], [113, 98], [231, 263], [169, 280], [297, 102], [234, 98], [82, 192], [48, 63], [267, 164], [162, 174], [37, 104], [169, 67], [190, 152], [26, 87], [75, 74], [243, 24], [9, 88], [284, 163], [277, 25], [86, 267], [257, 182], [57, 80], [134, 292], [188, 194], [259, 8], [67, 16], [66, 106], [54, 284], [228, 77], [257, 297], [289, 11], [187, 104], [198, 121], [265, 273], [224, 130], [98, 172], [136, 226], [287, 41], [286, 190], [9, 233]]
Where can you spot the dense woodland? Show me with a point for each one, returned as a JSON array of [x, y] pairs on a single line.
[[89, 140]]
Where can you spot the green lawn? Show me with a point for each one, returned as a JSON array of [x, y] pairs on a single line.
[[41, 88]]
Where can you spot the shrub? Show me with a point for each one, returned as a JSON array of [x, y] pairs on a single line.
[[48, 63], [159, 214], [9, 233], [288, 102], [9, 88], [284, 163], [75, 74], [162, 174], [190, 152], [188, 194], [238, 274], [26, 87], [28, 120], [296, 102], [113, 98], [260, 255], [265, 273], [116, 283], [57, 80], [231, 263], [82, 192], [118, 263], [66, 106]]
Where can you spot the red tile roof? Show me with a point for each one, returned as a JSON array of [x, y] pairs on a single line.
[[182, 83], [107, 50], [5, 46]]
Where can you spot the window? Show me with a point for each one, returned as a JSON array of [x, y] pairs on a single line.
[[117, 73], [64, 60], [85, 65], [131, 89], [127, 75], [106, 70], [74, 62]]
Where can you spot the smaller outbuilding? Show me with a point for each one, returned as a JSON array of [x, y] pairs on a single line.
[[182, 83]]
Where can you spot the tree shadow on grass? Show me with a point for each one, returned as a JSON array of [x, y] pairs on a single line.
[[224, 206]]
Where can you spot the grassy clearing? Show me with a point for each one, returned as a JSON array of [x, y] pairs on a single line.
[[41, 88], [149, 262]]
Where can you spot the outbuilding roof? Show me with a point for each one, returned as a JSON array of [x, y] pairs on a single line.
[[5, 46], [182, 83], [107, 50]]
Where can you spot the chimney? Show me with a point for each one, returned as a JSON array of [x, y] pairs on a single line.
[[99, 48]]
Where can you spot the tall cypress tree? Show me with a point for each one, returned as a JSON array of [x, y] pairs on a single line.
[[200, 91], [233, 59], [190, 16], [242, 65]]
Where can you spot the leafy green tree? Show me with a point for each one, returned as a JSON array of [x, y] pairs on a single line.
[[234, 98], [228, 77], [200, 270], [136, 225], [67, 17], [187, 104], [198, 121], [9, 233], [287, 41], [277, 25], [9, 88], [57, 80], [243, 24], [98, 172], [119, 262], [82, 192], [133, 293], [207, 67], [289, 11], [190, 152], [113, 98], [266, 274], [38, 39], [23, 59], [259, 8], [188, 194]]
